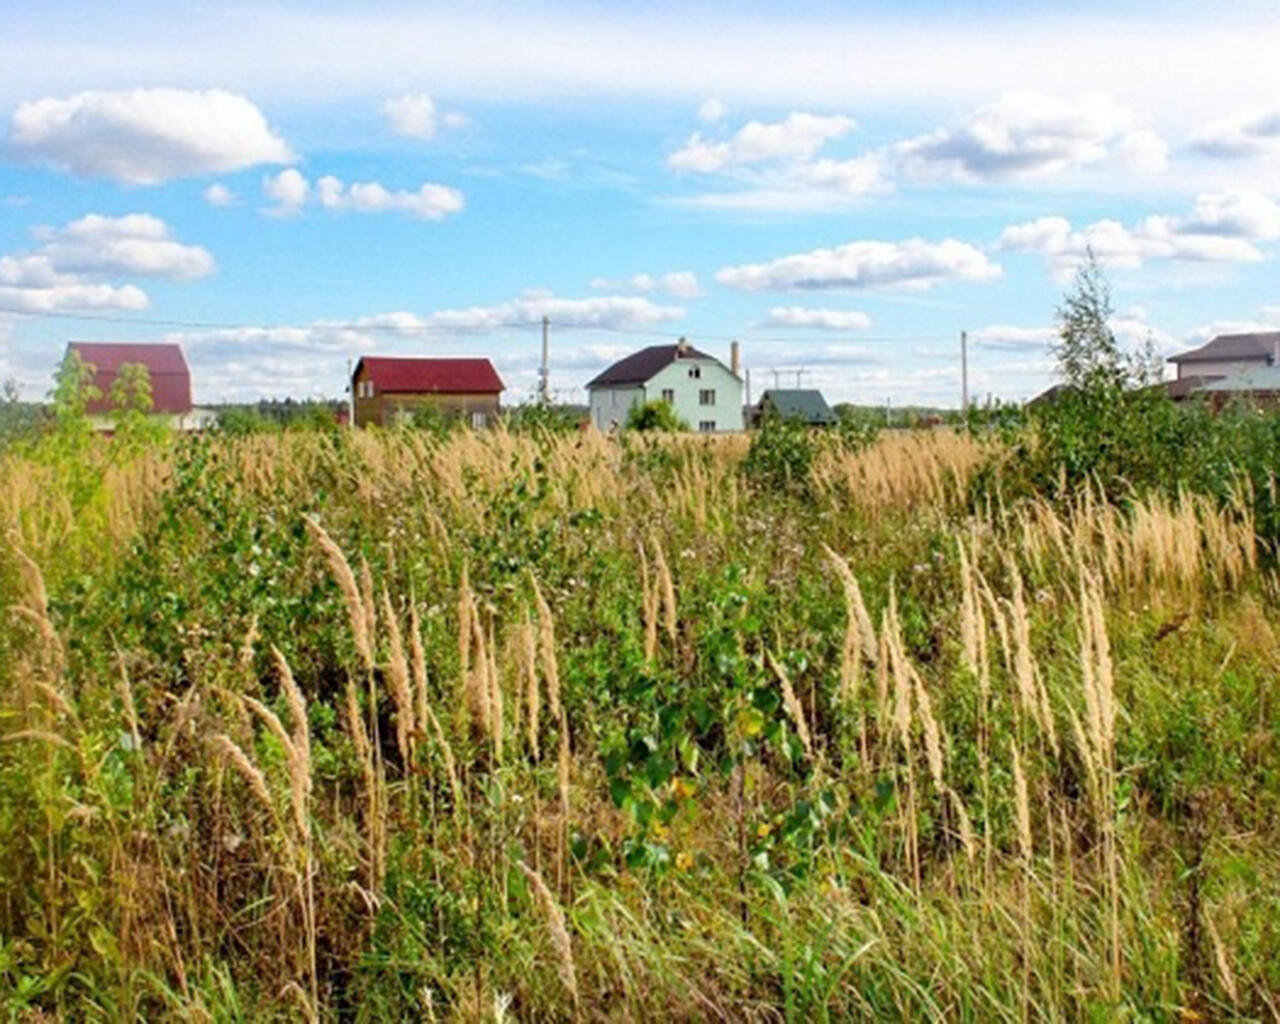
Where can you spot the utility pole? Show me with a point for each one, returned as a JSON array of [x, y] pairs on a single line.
[[799, 374], [748, 375], [544, 373], [964, 371], [351, 398]]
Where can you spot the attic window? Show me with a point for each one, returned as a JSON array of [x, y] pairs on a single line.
[[695, 372]]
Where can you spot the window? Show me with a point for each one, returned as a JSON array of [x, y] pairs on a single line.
[[707, 426], [669, 396], [478, 420], [695, 372], [364, 389], [707, 396]]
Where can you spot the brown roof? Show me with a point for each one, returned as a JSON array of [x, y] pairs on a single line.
[[1258, 345], [420, 374], [165, 363], [1184, 386], [641, 366]]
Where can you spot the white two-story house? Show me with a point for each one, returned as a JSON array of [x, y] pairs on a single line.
[[704, 392]]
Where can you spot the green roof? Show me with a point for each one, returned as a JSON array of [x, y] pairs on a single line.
[[807, 405]]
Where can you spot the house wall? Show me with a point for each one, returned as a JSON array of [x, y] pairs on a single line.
[[609, 406], [687, 378], [387, 409], [1219, 368]]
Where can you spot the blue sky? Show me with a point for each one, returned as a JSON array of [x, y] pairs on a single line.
[[842, 187]]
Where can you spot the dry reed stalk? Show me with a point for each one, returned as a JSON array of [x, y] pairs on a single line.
[[969, 612], [125, 689], [399, 682], [562, 780], [557, 930], [340, 568], [547, 648], [792, 703], [533, 698], [1022, 806], [300, 761], [477, 693], [418, 666], [247, 770], [1023, 663], [367, 597], [859, 634], [1226, 977], [668, 590], [965, 824], [649, 607], [496, 724], [933, 736], [249, 643], [466, 607]]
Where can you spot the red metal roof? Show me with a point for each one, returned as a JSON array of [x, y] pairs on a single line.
[[170, 377], [416, 374]]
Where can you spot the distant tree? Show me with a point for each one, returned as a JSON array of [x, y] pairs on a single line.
[[73, 391], [131, 404], [1089, 357], [655, 416]]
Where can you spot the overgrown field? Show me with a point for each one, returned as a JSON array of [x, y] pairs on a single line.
[[497, 726]]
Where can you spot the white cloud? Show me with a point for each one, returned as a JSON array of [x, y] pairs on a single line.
[[913, 264], [1032, 134], [798, 137], [70, 270], [605, 311], [288, 190], [291, 191], [712, 110], [416, 116], [1252, 132], [1222, 227], [218, 194], [137, 244], [146, 136], [1270, 321], [822, 319], [681, 283]]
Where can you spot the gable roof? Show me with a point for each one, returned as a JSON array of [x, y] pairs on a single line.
[[641, 366], [431, 375], [1261, 345], [804, 404], [165, 363]]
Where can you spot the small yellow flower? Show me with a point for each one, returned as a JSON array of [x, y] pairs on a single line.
[[682, 788], [684, 860], [763, 830]]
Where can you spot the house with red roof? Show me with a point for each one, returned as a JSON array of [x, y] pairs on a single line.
[[168, 371], [387, 390]]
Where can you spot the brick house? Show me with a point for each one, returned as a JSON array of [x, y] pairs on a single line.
[[387, 390]]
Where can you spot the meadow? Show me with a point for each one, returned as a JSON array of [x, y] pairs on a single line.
[[538, 725]]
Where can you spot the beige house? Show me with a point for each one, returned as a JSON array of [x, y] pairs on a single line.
[[387, 390], [1228, 354]]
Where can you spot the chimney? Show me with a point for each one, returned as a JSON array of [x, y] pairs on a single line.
[[682, 347], [735, 358]]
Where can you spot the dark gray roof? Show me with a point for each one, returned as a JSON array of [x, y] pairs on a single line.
[[805, 405], [641, 366], [1259, 345]]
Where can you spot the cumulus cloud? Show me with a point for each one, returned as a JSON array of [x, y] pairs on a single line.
[[137, 244], [913, 264], [72, 266], [146, 136], [1032, 134], [1221, 227], [1252, 132], [288, 190], [218, 194], [797, 137], [712, 110], [680, 283], [415, 116], [821, 319], [291, 191]]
